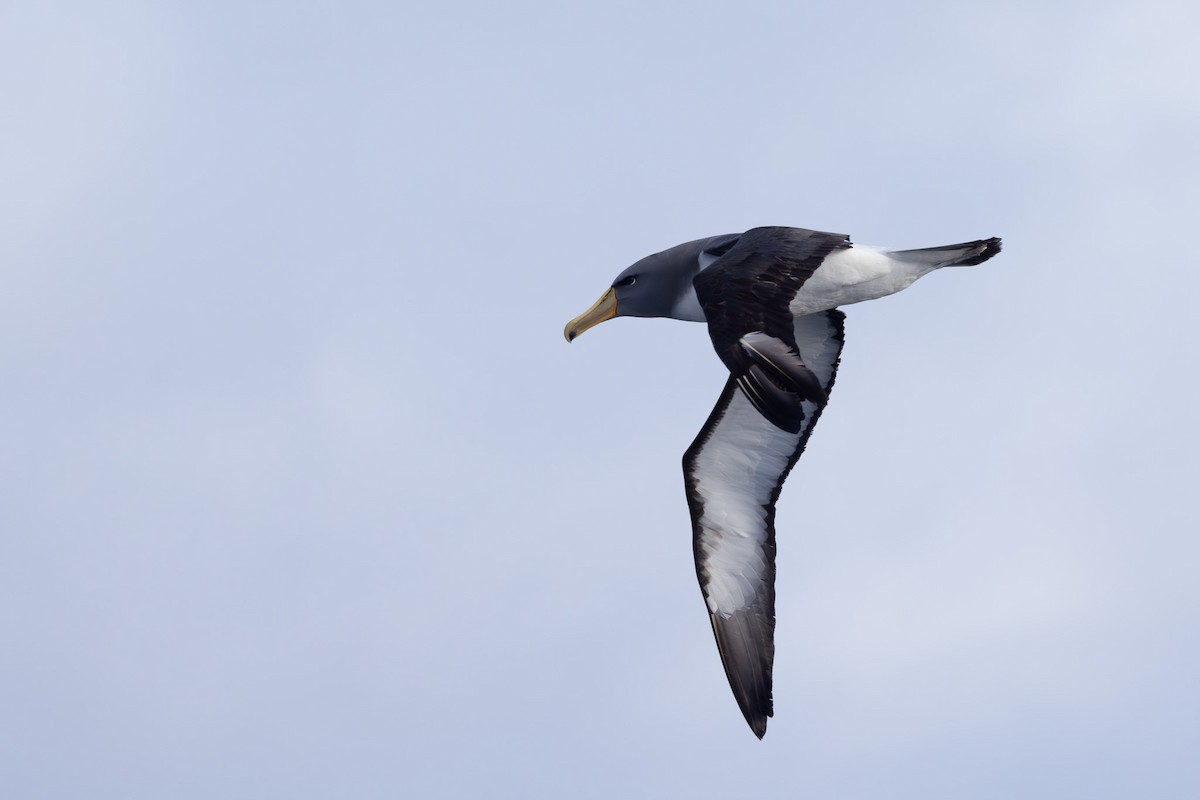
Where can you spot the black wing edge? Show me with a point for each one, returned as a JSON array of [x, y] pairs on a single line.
[[836, 322], [746, 640]]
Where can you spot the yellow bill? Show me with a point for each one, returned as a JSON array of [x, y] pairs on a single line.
[[604, 308]]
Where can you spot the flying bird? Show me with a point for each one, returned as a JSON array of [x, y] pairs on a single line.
[[770, 298]]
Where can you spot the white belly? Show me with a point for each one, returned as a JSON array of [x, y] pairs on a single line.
[[853, 275]]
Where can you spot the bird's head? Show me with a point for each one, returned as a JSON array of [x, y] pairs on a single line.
[[657, 286]]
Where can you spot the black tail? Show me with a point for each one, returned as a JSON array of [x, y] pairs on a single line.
[[965, 254]]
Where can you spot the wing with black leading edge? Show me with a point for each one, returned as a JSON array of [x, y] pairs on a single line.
[[733, 472]]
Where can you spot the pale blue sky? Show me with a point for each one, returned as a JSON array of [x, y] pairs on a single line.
[[302, 493]]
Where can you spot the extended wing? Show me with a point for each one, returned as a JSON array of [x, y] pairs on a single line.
[[745, 295], [733, 473]]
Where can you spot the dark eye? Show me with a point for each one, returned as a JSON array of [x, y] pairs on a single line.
[[630, 281]]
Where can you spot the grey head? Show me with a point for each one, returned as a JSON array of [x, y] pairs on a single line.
[[658, 285]]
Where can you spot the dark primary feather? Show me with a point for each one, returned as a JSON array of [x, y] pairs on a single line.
[[746, 641]]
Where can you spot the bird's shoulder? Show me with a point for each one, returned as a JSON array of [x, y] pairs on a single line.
[[758, 275], [767, 260]]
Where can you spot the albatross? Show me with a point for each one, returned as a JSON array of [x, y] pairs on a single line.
[[769, 297]]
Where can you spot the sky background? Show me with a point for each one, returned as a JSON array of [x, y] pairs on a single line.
[[303, 494]]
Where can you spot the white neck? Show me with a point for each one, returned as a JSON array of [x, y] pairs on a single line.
[[687, 307]]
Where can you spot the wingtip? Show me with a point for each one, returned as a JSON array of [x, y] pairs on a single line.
[[745, 641], [759, 726]]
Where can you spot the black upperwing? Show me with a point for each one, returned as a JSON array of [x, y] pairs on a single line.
[[745, 295], [733, 473]]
